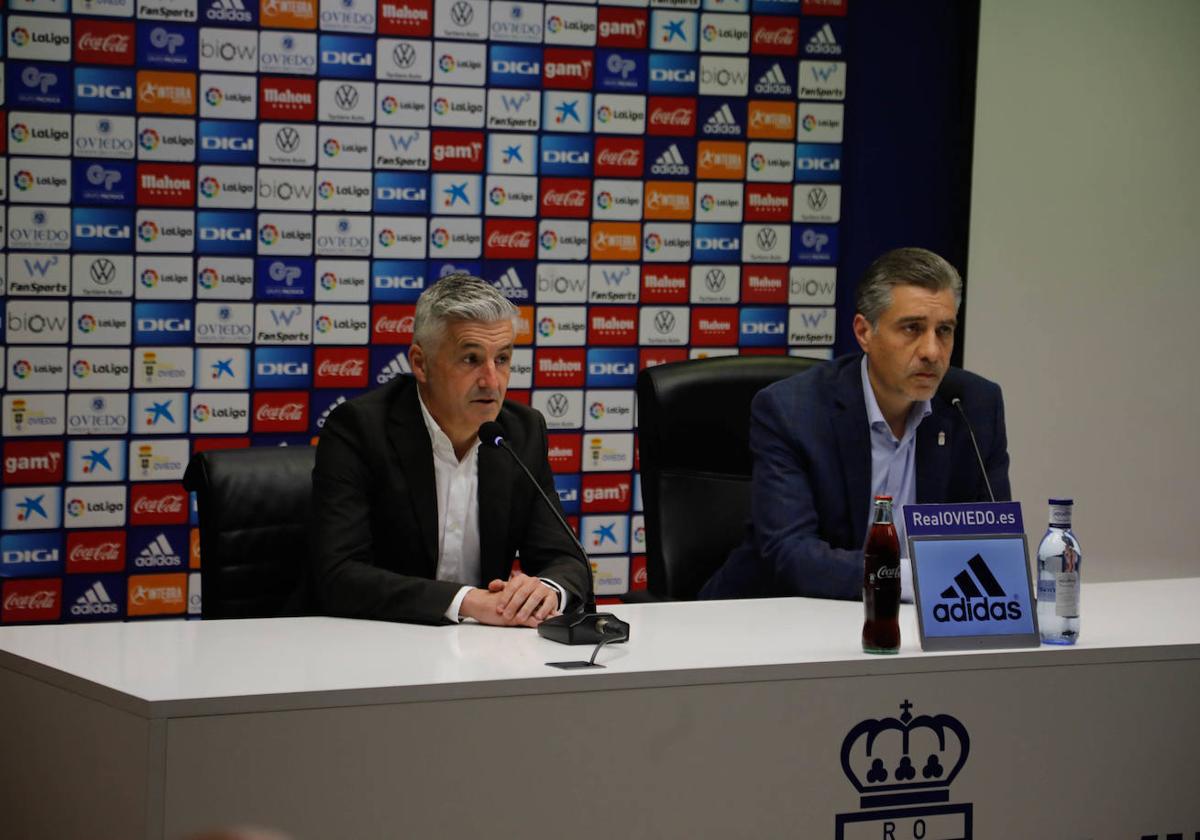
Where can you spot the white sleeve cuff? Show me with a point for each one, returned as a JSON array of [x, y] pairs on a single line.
[[906, 580], [456, 604], [562, 593]]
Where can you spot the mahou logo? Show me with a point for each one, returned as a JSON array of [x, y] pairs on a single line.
[[95, 551], [281, 411], [341, 367], [768, 202], [566, 197], [31, 600], [166, 185], [765, 284], [565, 452], [103, 42], [392, 323], [158, 504], [287, 99], [609, 325], [775, 35], [562, 367], [510, 239], [620, 158], [406, 17]]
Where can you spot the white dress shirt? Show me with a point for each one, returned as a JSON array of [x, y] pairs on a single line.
[[457, 484]]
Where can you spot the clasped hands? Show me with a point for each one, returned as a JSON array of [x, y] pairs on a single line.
[[520, 601]]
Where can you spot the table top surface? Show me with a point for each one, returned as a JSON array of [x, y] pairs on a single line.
[[169, 668]]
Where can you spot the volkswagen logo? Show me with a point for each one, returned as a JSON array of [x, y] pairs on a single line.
[[346, 97], [404, 55], [462, 13], [766, 238], [557, 405], [714, 279], [664, 322], [102, 271], [287, 139], [817, 198]]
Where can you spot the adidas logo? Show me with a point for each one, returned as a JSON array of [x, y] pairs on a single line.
[[394, 368], [158, 553], [823, 42], [722, 122], [773, 82], [509, 284], [670, 162], [94, 601], [970, 594], [229, 10]]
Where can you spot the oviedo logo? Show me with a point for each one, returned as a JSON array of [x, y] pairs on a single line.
[[964, 601], [905, 761]]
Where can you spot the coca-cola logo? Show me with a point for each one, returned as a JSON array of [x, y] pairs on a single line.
[[41, 599], [677, 117], [345, 369], [619, 157], [163, 505], [292, 412], [385, 324], [512, 239], [639, 577], [111, 44], [105, 552], [565, 198]]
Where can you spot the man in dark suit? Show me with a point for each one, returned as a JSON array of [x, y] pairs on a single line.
[[881, 422], [413, 519]]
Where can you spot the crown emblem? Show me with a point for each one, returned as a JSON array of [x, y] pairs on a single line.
[[909, 759]]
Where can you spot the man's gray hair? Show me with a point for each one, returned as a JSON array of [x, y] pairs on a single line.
[[457, 297], [903, 267]]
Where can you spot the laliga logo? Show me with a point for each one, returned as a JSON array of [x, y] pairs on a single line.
[[653, 243], [21, 369], [149, 278], [446, 64], [268, 234], [809, 122], [497, 196], [209, 277], [325, 189], [210, 187], [710, 33], [546, 327], [81, 369], [757, 162], [23, 180], [34, 78], [214, 97], [20, 133], [441, 106], [87, 323], [707, 202], [75, 507], [604, 200], [440, 237], [147, 231], [332, 148], [200, 413], [596, 410], [555, 24], [387, 237], [549, 240], [148, 139], [20, 36], [97, 175], [329, 281], [604, 114], [389, 105], [324, 324]]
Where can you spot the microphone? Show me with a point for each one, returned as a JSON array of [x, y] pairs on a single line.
[[584, 628], [958, 403]]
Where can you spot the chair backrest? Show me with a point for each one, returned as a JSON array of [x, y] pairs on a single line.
[[693, 438], [254, 507]]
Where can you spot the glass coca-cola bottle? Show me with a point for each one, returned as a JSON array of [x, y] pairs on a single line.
[[881, 582]]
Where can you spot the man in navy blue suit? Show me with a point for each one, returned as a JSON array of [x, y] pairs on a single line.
[[881, 422]]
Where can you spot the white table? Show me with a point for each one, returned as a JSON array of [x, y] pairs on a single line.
[[715, 720]]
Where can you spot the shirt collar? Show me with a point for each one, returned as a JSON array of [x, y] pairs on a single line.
[[442, 447], [875, 419]]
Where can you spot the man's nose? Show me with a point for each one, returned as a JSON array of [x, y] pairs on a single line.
[[489, 376], [931, 348]]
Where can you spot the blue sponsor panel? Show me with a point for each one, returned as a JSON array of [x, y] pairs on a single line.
[[516, 280], [104, 90], [441, 268], [566, 156], [621, 71], [229, 232], [230, 142], [163, 323], [283, 367], [401, 193], [721, 118], [101, 230], [44, 86], [612, 367], [103, 182], [763, 326], [193, 510], [94, 597], [31, 555], [514, 66], [159, 549], [323, 403], [670, 158], [387, 363], [776, 7], [822, 38], [281, 440], [240, 13], [166, 46], [398, 281], [568, 487], [717, 243], [347, 57], [814, 244], [673, 74], [819, 162], [773, 78], [283, 278]]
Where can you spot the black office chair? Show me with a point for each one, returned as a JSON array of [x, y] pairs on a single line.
[[255, 505], [693, 437]]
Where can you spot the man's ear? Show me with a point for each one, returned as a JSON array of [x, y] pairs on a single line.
[[417, 359], [863, 332]]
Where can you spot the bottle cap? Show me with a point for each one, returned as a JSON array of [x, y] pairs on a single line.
[[1062, 502]]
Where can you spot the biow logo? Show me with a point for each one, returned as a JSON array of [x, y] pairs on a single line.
[[974, 604]]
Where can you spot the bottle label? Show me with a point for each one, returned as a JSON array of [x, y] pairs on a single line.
[[1066, 604], [1045, 590], [1060, 516]]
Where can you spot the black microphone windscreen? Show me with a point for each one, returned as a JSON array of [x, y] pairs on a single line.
[[491, 433]]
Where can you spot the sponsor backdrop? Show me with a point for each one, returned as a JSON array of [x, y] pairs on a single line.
[[219, 214]]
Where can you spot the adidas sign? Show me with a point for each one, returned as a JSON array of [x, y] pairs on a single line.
[[823, 42], [394, 368], [95, 601], [670, 162], [509, 284], [773, 82], [230, 11], [722, 122], [974, 596], [158, 554]]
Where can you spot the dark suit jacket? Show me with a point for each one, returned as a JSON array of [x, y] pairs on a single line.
[[811, 490], [375, 510]]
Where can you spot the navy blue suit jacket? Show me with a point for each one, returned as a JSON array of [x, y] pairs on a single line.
[[811, 489]]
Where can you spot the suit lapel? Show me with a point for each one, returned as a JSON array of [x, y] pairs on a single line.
[[854, 443], [933, 456], [410, 440], [495, 498]]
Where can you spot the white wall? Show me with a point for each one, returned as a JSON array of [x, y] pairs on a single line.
[[1083, 294]]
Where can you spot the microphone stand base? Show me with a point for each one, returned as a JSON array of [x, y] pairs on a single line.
[[578, 628]]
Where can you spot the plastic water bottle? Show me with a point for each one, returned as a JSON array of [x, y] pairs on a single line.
[[1059, 561]]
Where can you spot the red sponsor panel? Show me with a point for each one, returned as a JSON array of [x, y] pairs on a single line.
[[406, 17], [568, 69], [560, 367], [673, 116], [566, 198], [521, 396], [618, 27], [510, 239], [612, 325], [209, 444], [619, 157], [828, 8], [606, 492], [103, 42], [280, 411], [649, 357], [158, 504], [775, 35], [565, 452], [664, 284], [715, 326], [764, 284], [456, 151], [90, 552], [31, 600], [768, 203], [33, 462], [638, 580], [341, 367], [287, 99], [166, 185], [392, 323]]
